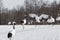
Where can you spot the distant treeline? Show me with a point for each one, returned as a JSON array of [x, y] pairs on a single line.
[[18, 15]]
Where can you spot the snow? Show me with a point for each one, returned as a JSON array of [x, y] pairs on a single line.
[[45, 16], [37, 19], [41, 32], [58, 19], [9, 23], [51, 20], [32, 15]]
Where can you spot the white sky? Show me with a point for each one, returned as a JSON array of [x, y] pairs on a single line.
[[13, 3], [50, 1]]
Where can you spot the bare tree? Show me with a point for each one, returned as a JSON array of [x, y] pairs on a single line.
[[54, 4], [1, 6]]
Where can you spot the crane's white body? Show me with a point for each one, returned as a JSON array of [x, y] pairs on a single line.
[[12, 33], [14, 22], [24, 21], [37, 19], [45, 16], [9, 23]]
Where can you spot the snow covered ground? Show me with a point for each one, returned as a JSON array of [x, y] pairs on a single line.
[[31, 32]]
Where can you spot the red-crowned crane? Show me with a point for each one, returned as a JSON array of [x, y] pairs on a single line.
[[23, 22], [12, 32]]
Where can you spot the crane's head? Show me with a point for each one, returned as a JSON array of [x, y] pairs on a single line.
[[14, 23]]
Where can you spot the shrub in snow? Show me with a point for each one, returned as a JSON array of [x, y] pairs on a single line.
[[29, 20], [58, 19], [51, 20]]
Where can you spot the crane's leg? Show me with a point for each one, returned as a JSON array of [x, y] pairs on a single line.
[[10, 38], [35, 24], [23, 27]]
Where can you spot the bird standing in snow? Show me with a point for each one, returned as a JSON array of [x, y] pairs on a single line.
[[23, 22], [12, 33]]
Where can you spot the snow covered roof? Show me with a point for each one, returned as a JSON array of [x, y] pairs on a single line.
[[37, 19]]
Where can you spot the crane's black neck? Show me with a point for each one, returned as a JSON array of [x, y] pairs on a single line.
[[13, 26]]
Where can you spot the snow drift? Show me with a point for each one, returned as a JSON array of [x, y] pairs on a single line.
[[41, 32]]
